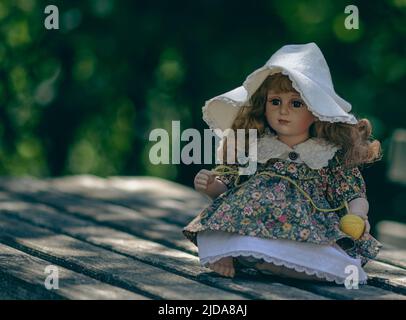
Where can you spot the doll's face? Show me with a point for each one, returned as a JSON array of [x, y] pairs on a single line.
[[288, 106]]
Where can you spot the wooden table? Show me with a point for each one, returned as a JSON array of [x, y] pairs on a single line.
[[120, 238]]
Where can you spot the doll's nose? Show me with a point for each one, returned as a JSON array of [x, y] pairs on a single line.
[[284, 109]]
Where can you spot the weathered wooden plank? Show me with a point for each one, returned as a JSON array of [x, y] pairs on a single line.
[[388, 254], [387, 276], [393, 256], [365, 292], [341, 293], [103, 264], [183, 263], [116, 216], [72, 285], [392, 233], [158, 198], [111, 189], [171, 259], [15, 289]]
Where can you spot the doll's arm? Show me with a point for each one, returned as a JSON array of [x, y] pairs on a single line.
[[206, 182], [348, 184], [360, 207], [216, 188]]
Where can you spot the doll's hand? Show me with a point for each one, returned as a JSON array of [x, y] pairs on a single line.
[[364, 217], [360, 207], [367, 227], [204, 179]]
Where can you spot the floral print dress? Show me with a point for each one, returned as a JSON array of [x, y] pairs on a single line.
[[267, 217]]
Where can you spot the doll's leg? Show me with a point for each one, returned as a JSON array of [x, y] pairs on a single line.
[[286, 272], [224, 266]]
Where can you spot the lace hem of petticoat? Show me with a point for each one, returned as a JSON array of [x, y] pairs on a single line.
[[319, 274]]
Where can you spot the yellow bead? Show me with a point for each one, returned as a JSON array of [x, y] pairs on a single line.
[[352, 225]]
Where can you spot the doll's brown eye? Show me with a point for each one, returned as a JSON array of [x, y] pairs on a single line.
[[275, 102], [297, 103]]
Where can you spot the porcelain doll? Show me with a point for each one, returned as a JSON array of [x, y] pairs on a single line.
[[286, 218]]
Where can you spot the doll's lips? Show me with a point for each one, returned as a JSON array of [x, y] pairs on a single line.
[[283, 121]]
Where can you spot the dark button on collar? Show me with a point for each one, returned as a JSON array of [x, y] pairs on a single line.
[[293, 155]]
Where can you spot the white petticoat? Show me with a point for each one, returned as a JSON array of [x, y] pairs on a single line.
[[325, 261]]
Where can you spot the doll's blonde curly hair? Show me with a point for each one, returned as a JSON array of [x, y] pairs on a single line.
[[356, 142]]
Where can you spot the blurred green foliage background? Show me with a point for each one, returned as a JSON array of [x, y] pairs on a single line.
[[83, 99]]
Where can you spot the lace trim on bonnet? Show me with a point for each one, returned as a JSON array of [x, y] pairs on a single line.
[[210, 120], [212, 123], [314, 152]]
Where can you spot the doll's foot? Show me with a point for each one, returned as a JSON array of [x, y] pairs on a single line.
[[224, 267]]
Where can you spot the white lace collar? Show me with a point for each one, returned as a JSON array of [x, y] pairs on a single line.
[[314, 152]]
